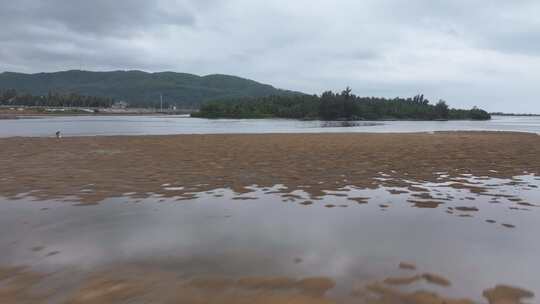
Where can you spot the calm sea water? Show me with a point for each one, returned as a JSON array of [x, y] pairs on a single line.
[[161, 125], [268, 236]]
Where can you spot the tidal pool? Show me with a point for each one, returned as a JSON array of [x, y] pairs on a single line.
[[386, 245]]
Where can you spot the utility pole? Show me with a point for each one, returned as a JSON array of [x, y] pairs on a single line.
[[161, 102]]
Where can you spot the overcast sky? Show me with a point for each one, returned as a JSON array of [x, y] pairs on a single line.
[[468, 52]]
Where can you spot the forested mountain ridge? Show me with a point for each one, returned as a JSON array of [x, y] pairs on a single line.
[[140, 88]]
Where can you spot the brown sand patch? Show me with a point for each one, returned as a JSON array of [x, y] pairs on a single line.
[[135, 284], [16, 286], [214, 283], [269, 290], [423, 195], [425, 204], [504, 294], [108, 291], [417, 189], [527, 204], [359, 200], [267, 282], [244, 198], [395, 191], [292, 197], [467, 209], [316, 286], [407, 266], [429, 277], [388, 295], [500, 195], [436, 279], [468, 186], [199, 163]]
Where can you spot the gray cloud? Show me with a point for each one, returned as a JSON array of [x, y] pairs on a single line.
[[97, 17], [469, 52]]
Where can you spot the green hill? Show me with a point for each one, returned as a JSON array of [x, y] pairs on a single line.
[[140, 88]]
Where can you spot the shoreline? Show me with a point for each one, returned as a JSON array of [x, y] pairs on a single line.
[[52, 136], [310, 162], [41, 115], [338, 120], [187, 114]]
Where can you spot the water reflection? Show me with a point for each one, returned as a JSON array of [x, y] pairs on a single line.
[[458, 249]]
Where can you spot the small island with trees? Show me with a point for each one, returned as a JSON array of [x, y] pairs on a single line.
[[336, 106]]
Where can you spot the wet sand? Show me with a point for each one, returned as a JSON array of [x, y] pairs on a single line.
[[94, 168], [342, 218], [135, 284]]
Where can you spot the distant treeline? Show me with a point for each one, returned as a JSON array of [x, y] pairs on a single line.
[[336, 106], [514, 114], [11, 97]]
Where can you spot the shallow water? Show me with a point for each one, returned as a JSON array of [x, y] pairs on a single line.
[[161, 125], [340, 236]]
